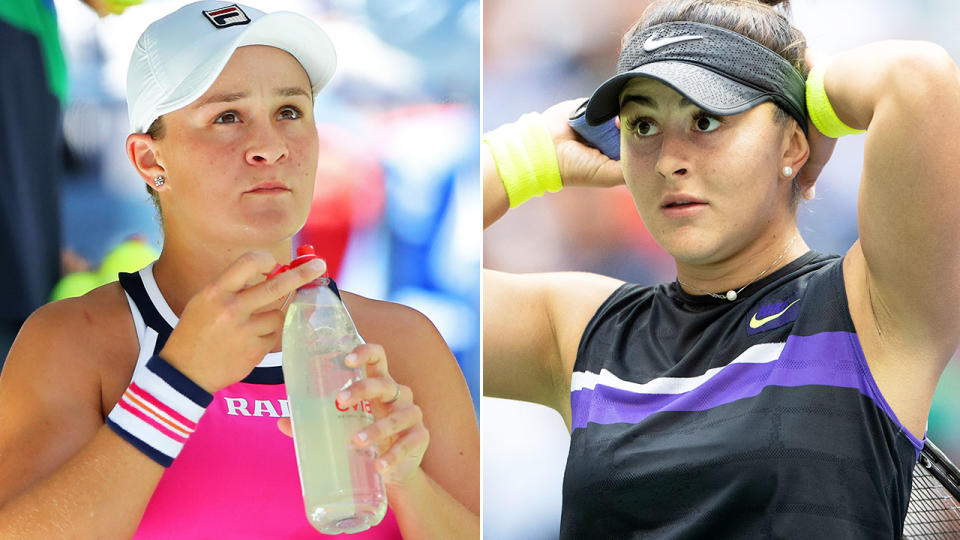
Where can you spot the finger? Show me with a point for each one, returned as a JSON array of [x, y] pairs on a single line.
[[382, 389], [412, 444], [285, 427], [388, 426], [248, 267], [610, 173], [281, 285], [265, 323], [371, 355]]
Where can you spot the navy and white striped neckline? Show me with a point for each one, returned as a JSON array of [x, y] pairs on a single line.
[[142, 289]]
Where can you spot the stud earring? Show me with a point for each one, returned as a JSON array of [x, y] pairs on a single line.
[[788, 171], [158, 181]]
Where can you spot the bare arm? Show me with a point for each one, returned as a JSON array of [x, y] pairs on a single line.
[[580, 165], [63, 473], [438, 497], [495, 201], [908, 96], [74, 476], [532, 324]]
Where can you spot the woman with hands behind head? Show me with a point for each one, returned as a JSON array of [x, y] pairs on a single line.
[[770, 390], [221, 107]]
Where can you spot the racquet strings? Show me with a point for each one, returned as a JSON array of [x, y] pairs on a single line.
[[933, 512]]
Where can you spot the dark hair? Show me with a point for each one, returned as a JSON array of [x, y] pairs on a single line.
[[758, 20], [755, 19]]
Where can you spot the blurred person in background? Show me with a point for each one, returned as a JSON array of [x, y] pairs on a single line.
[[671, 432], [227, 145], [32, 94]]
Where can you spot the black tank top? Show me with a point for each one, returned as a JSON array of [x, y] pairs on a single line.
[[695, 417]]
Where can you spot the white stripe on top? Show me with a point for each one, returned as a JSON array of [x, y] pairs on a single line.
[[169, 395], [138, 323], [159, 302], [757, 354]]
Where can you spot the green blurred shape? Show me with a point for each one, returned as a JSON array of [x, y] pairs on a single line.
[[75, 284]]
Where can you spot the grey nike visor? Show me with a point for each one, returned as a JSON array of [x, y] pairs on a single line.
[[719, 70]]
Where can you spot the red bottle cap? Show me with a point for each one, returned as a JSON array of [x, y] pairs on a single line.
[[305, 253]]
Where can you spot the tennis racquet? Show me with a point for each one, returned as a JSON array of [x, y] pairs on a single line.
[[934, 510]]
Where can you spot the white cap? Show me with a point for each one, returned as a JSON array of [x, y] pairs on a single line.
[[178, 57]]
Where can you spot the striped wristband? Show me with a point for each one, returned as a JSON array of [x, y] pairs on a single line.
[[159, 410]]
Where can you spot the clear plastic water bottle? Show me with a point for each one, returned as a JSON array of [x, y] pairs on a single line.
[[342, 491]]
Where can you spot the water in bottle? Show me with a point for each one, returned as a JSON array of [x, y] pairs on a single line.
[[342, 491]]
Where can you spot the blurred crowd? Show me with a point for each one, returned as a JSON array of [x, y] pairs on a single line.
[[540, 52], [396, 195]]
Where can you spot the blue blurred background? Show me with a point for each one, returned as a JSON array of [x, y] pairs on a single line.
[[397, 201], [540, 52]]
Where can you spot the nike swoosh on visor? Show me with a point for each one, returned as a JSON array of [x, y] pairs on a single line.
[[651, 44]]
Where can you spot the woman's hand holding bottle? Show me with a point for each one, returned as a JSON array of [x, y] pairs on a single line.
[[398, 430]]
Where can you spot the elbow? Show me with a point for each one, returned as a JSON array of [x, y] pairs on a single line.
[[923, 72]]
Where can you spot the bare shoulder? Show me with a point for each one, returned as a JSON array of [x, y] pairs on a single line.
[[53, 383], [532, 325], [568, 299], [419, 358], [417, 355], [401, 330], [82, 336], [365, 308]]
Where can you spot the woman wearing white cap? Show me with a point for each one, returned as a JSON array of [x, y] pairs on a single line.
[[220, 99], [770, 391]]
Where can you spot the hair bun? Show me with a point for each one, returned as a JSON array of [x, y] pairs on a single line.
[[774, 3]]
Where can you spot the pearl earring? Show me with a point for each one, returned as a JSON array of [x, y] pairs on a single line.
[[158, 181], [788, 171]]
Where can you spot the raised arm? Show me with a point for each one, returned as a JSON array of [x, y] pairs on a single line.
[[907, 95], [532, 323], [579, 164]]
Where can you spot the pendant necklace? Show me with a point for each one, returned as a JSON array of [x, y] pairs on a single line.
[[732, 294]]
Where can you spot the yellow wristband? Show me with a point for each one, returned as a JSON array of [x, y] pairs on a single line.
[[526, 158], [818, 106]]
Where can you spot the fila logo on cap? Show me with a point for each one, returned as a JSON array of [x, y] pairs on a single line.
[[651, 44], [227, 16]]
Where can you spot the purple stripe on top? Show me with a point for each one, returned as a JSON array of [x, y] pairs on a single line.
[[828, 359]]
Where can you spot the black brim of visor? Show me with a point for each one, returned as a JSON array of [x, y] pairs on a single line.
[[707, 89]]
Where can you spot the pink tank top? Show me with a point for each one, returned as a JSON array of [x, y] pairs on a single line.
[[237, 475]]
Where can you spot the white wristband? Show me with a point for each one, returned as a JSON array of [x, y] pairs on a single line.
[[159, 411]]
